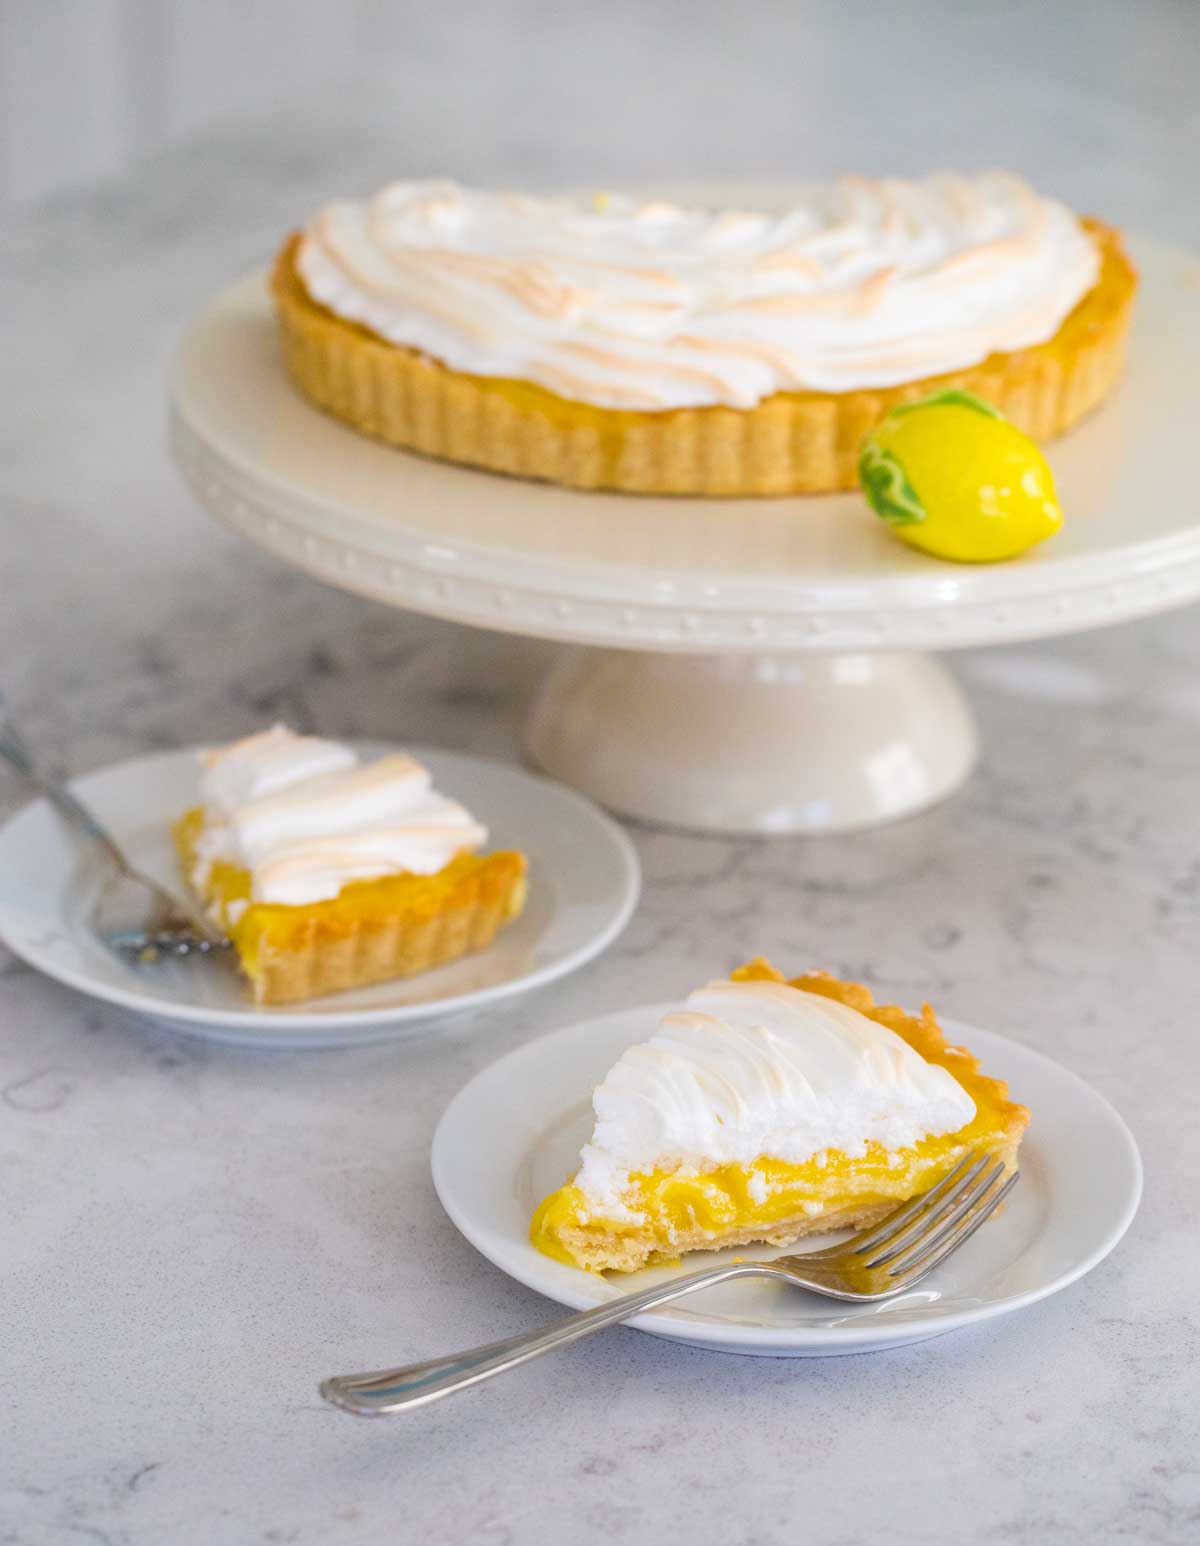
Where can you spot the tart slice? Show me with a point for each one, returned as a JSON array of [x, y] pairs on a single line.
[[329, 874], [765, 1110]]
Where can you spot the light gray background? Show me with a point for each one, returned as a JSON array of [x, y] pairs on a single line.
[[190, 1237]]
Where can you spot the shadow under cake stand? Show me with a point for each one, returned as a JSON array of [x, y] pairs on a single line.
[[738, 665]]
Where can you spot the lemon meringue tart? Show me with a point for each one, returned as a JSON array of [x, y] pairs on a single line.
[[764, 1110], [615, 343], [327, 873]]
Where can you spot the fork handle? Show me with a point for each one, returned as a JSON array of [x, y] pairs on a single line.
[[18, 756], [397, 1390]]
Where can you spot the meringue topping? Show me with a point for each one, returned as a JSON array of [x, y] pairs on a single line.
[[306, 818], [653, 305], [748, 1069]]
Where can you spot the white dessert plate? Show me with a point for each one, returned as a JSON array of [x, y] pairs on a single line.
[[514, 1134], [584, 882]]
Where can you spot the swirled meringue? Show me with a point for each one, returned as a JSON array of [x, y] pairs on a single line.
[[639, 305], [306, 818], [748, 1069]]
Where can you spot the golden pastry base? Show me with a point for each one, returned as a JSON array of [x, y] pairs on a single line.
[[793, 443]]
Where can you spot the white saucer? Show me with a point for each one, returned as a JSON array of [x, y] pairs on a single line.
[[514, 1134], [583, 886]]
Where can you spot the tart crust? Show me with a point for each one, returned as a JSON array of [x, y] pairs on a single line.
[[372, 931], [791, 443], [564, 1228]]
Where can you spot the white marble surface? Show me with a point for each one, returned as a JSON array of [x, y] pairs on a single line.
[[189, 1237]]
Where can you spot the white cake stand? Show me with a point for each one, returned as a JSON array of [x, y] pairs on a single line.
[[750, 665]]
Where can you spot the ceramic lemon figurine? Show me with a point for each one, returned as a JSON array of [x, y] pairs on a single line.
[[953, 477]]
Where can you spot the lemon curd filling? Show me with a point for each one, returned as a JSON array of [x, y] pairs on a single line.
[[665, 1211], [667, 1205]]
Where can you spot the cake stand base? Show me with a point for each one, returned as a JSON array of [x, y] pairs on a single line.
[[800, 743]]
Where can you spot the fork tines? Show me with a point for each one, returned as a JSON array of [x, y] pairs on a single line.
[[912, 1241]]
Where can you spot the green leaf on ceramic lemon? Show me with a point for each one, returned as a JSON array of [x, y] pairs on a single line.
[[888, 491], [955, 395]]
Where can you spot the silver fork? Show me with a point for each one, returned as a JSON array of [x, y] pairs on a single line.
[[132, 914], [874, 1264]]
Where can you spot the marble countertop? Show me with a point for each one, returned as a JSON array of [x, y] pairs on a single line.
[[191, 1235]]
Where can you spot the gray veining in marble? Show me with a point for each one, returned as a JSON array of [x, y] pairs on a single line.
[[190, 1236]]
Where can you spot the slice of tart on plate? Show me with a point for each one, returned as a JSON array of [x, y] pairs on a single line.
[[329, 874], [764, 1110]]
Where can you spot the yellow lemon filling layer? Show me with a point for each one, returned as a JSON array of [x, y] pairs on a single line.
[[738, 1200]]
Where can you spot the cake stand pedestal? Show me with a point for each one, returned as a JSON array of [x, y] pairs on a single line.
[[754, 743], [747, 665]]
